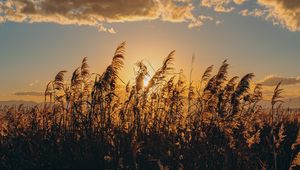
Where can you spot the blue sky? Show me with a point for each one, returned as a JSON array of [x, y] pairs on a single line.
[[34, 49]]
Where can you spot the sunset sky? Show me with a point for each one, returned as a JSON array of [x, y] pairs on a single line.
[[38, 38]]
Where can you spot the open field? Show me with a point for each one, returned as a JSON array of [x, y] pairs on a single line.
[[97, 121]]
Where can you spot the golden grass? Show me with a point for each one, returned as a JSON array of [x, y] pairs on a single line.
[[92, 122]]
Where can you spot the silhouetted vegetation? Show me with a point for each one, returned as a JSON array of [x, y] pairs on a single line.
[[98, 122]]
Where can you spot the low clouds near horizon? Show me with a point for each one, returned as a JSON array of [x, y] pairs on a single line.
[[273, 80], [290, 86], [32, 93]]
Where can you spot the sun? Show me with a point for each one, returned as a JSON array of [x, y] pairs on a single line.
[[146, 81]]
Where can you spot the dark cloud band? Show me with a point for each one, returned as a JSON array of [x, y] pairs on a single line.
[[274, 80], [94, 12], [29, 94]]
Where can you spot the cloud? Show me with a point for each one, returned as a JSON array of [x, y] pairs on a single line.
[[102, 28], [218, 22], [285, 12], [101, 13], [239, 1], [221, 5], [95, 13], [175, 12], [81, 12], [255, 13], [2, 20], [273, 80], [29, 93], [36, 83], [199, 21]]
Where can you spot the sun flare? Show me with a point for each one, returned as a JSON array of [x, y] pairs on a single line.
[[146, 81]]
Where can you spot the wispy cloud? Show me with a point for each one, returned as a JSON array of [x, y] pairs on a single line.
[[36, 83], [32, 93], [255, 13], [102, 28], [280, 12], [199, 21], [273, 80]]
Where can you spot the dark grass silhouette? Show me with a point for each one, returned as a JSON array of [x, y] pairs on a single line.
[[96, 122]]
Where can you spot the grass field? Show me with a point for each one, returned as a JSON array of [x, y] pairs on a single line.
[[97, 121]]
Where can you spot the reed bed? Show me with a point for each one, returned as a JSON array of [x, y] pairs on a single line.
[[97, 121]]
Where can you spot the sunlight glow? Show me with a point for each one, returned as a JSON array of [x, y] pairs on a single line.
[[146, 81]]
